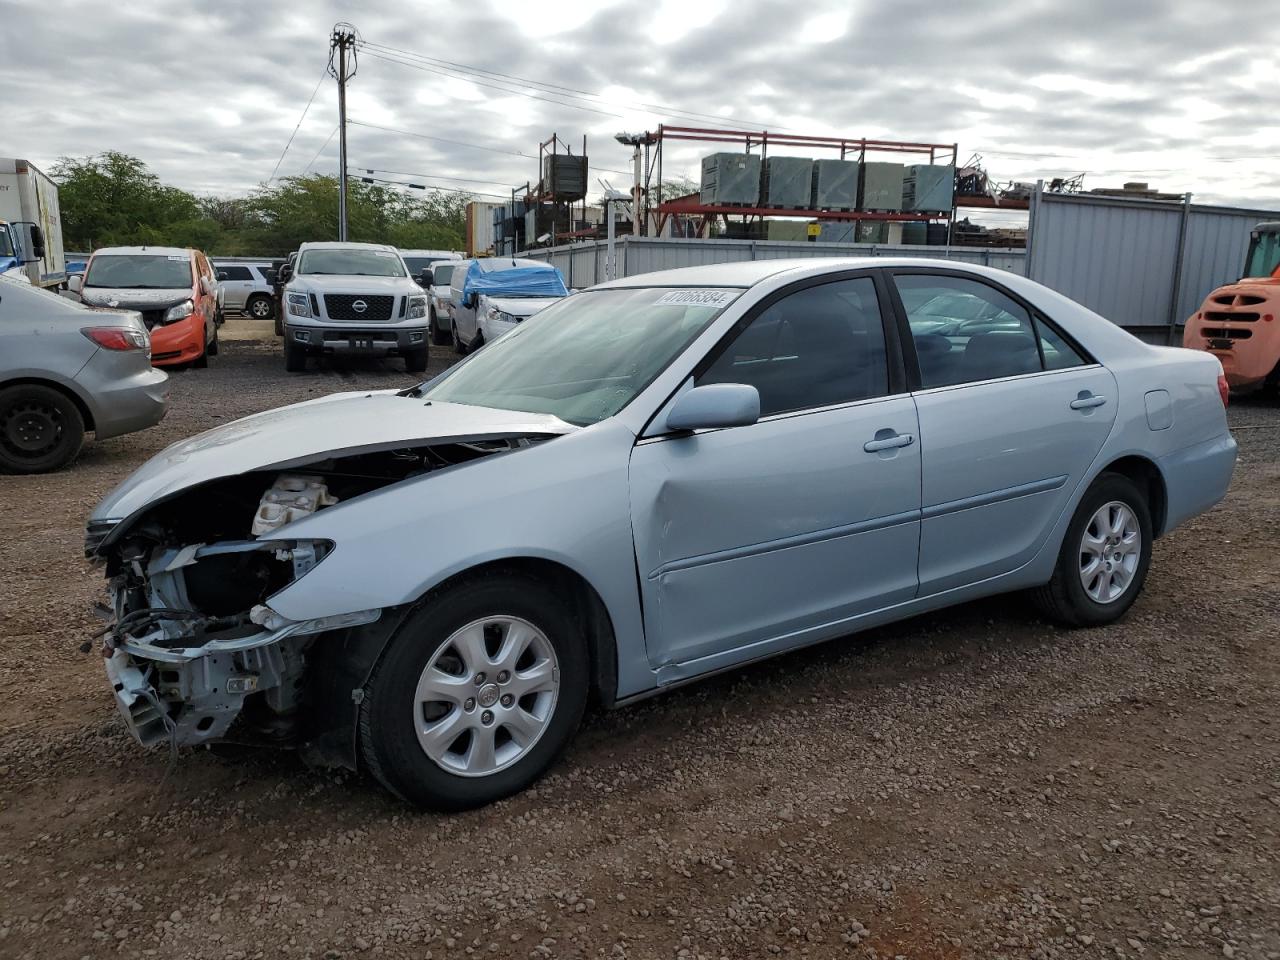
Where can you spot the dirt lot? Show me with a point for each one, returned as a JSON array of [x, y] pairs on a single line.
[[970, 784]]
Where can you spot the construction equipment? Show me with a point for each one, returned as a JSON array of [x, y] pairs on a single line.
[[1240, 323]]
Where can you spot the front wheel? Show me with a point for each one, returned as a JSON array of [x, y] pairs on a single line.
[[295, 357], [477, 694], [459, 347], [438, 337], [1104, 557]]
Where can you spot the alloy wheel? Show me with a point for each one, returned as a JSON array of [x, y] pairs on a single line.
[[260, 309], [486, 696], [1110, 552]]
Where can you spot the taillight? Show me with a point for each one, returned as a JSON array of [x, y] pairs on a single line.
[[116, 338], [1223, 389]]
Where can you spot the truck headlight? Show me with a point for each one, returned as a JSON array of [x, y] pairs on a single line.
[[417, 308], [179, 311], [298, 305]]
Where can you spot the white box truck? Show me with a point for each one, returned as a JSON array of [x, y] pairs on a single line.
[[30, 225]]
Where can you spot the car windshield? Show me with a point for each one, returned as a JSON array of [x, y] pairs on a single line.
[[1264, 255], [6, 244], [139, 271], [351, 263], [586, 357], [417, 264]]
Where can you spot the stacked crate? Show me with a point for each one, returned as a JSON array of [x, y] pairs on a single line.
[[730, 180], [835, 185], [882, 186], [928, 188], [788, 183]]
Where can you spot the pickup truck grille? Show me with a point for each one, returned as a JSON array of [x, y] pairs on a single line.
[[342, 306]]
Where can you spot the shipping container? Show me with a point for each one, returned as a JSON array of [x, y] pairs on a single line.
[[27, 196], [881, 186], [480, 231], [730, 180], [835, 185], [788, 182], [928, 188]]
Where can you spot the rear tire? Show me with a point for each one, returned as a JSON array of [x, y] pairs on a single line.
[[41, 429], [295, 357], [416, 361], [488, 736], [279, 323], [1104, 558], [438, 336]]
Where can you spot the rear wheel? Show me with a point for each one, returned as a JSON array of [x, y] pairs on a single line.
[[1104, 557], [477, 694], [295, 357], [41, 429], [439, 337]]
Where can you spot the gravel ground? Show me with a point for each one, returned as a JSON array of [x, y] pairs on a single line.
[[974, 783]]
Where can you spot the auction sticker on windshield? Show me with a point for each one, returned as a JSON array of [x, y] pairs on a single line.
[[702, 298]]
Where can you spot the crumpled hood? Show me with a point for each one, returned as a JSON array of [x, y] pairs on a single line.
[[328, 283], [134, 299], [520, 306], [289, 437]]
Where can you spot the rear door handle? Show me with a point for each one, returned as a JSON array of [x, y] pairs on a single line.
[[888, 443], [1087, 403]]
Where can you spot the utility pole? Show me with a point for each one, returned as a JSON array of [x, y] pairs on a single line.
[[342, 45]]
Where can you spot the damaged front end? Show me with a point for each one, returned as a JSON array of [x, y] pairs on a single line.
[[193, 650]]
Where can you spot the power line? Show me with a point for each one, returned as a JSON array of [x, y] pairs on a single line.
[[417, 186], [428, 176], [555, 88], [328, 141], [456, 143], [324, 73], [491, 86]]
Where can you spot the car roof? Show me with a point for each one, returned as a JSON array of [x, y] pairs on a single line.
[[339, 245], [443, 254], [488, 264], [136, 251], [748, 273]]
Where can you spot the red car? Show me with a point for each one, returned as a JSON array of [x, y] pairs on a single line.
[[174, 288]]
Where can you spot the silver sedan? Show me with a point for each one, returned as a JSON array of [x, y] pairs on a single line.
[[648, 482], [66, 368]]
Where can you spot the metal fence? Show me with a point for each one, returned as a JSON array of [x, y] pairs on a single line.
[[1145, 264], [583, 264]]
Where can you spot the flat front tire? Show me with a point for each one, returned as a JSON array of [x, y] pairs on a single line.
[[477, 694], [1105, 556]]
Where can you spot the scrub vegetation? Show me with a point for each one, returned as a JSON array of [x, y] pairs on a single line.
[[113, 199]]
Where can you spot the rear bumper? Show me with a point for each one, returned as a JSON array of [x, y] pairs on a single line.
[[362, 340], [130, 403], [179, 342], [1196, 478]]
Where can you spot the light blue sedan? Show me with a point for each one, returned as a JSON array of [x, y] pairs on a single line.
[[657, 479]]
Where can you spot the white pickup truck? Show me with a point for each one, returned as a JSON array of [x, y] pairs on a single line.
[[342, 298]]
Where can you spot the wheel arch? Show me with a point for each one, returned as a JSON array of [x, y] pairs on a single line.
[[342, 662], [1144, 472], [69, 392]]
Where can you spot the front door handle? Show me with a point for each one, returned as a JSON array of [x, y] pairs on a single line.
[[888, 443], [1087, 401]]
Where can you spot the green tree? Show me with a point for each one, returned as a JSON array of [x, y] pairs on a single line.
[[113, 198]]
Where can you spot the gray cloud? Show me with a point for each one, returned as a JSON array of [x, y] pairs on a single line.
[[209, 95]]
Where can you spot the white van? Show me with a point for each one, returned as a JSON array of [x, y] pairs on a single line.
[[419, 260], [483, 317]]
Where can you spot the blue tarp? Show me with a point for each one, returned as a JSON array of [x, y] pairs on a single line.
[[543, 280]]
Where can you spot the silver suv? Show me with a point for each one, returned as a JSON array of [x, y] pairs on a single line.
[[353, 298]]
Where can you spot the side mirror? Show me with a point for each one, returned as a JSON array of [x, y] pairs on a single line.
[[37, 243], [75, 282], [425, 277], [284, 274], [715, 406]]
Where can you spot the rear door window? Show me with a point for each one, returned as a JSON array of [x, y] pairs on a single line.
[[967, 331]]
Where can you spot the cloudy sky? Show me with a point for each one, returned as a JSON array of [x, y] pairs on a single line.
[[1178, 92]]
